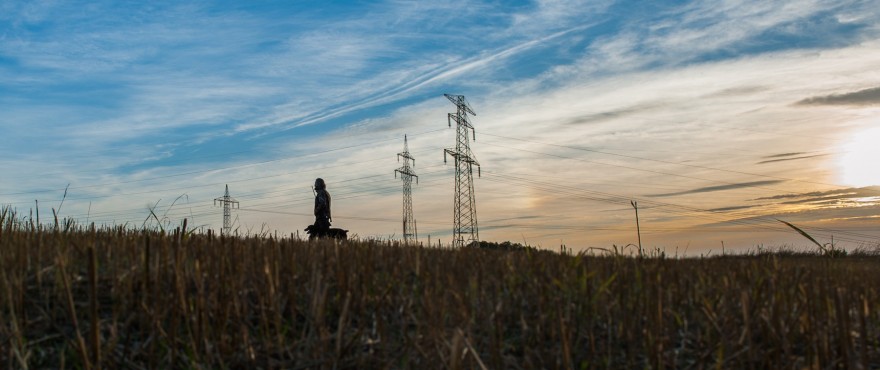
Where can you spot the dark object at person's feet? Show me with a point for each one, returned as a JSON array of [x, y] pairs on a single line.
[[333, 232]]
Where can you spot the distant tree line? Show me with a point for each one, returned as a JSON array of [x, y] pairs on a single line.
[[505, 246]]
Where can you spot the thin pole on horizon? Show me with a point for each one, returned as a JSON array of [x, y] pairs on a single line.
[[638, 229]]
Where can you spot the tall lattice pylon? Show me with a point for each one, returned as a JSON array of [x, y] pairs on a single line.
[[410, 232], [228, 203], [465, 231]]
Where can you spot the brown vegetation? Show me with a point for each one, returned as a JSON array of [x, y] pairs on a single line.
[[118, 298]]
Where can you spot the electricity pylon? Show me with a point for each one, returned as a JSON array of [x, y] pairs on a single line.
[[228, 203], [410, 232], [464, 231]]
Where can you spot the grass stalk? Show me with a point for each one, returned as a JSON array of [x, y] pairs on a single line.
[[93, 308], [71, 311]]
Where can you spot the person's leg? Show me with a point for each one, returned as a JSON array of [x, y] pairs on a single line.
[[323, 226]]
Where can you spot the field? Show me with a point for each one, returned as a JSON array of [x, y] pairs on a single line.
[[74, 297]]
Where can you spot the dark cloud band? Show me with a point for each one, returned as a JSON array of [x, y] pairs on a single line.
[[862, 97], [709, 189]]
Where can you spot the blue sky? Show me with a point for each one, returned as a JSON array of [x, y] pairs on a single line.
[[708, 113]]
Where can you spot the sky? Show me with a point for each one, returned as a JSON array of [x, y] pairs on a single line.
[[716, 118]]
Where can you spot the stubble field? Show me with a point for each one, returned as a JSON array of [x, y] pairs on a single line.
[[117, 298]]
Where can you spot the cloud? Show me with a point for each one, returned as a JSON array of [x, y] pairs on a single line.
[[842, 198], [783, 155], [738, 91], [554, 14], [731, 208], [613, 114], [419, 81], [709, 189], [847, 226], [866, 97], [791, 158], [836, 193]]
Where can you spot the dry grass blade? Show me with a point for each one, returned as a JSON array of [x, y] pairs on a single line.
[[804, 233], [71, 310]]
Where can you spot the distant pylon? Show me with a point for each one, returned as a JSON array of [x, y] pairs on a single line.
[[410, 232], [228, 203], [464, 231]]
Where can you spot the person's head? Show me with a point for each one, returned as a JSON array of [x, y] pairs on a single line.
[[319, 184]]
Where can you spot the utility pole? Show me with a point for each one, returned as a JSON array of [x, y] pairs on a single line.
[[410, 232], [638, 229], [465, 231], [228, 203]]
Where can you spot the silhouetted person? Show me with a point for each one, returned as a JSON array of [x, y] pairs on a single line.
[[322, 208]]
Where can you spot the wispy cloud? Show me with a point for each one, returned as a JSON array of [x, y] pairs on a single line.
[[709, 189], [853, 193], [791, 158], [732, 208], [416, 80], [784, 155], [139, 103], [870, 96]]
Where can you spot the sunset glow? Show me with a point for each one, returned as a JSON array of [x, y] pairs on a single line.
[[860, 161], [717, 118]]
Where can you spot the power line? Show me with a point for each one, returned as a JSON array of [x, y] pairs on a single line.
[[639, 169], [571, 190], [635, 157], [683, 210], [374, 219], [509, 180], [679, 209], [213, 169], [667, 162], [622, 200], [215, 184], [255, 195]]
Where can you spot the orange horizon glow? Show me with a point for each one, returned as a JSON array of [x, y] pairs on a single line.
[[859, 165]]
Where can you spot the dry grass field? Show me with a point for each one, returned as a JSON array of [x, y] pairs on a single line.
[[116, 298]]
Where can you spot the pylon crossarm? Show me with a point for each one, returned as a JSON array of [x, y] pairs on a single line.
[[460, 101], [405, 172], [451, 152], [455, 99], [454, 117]]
